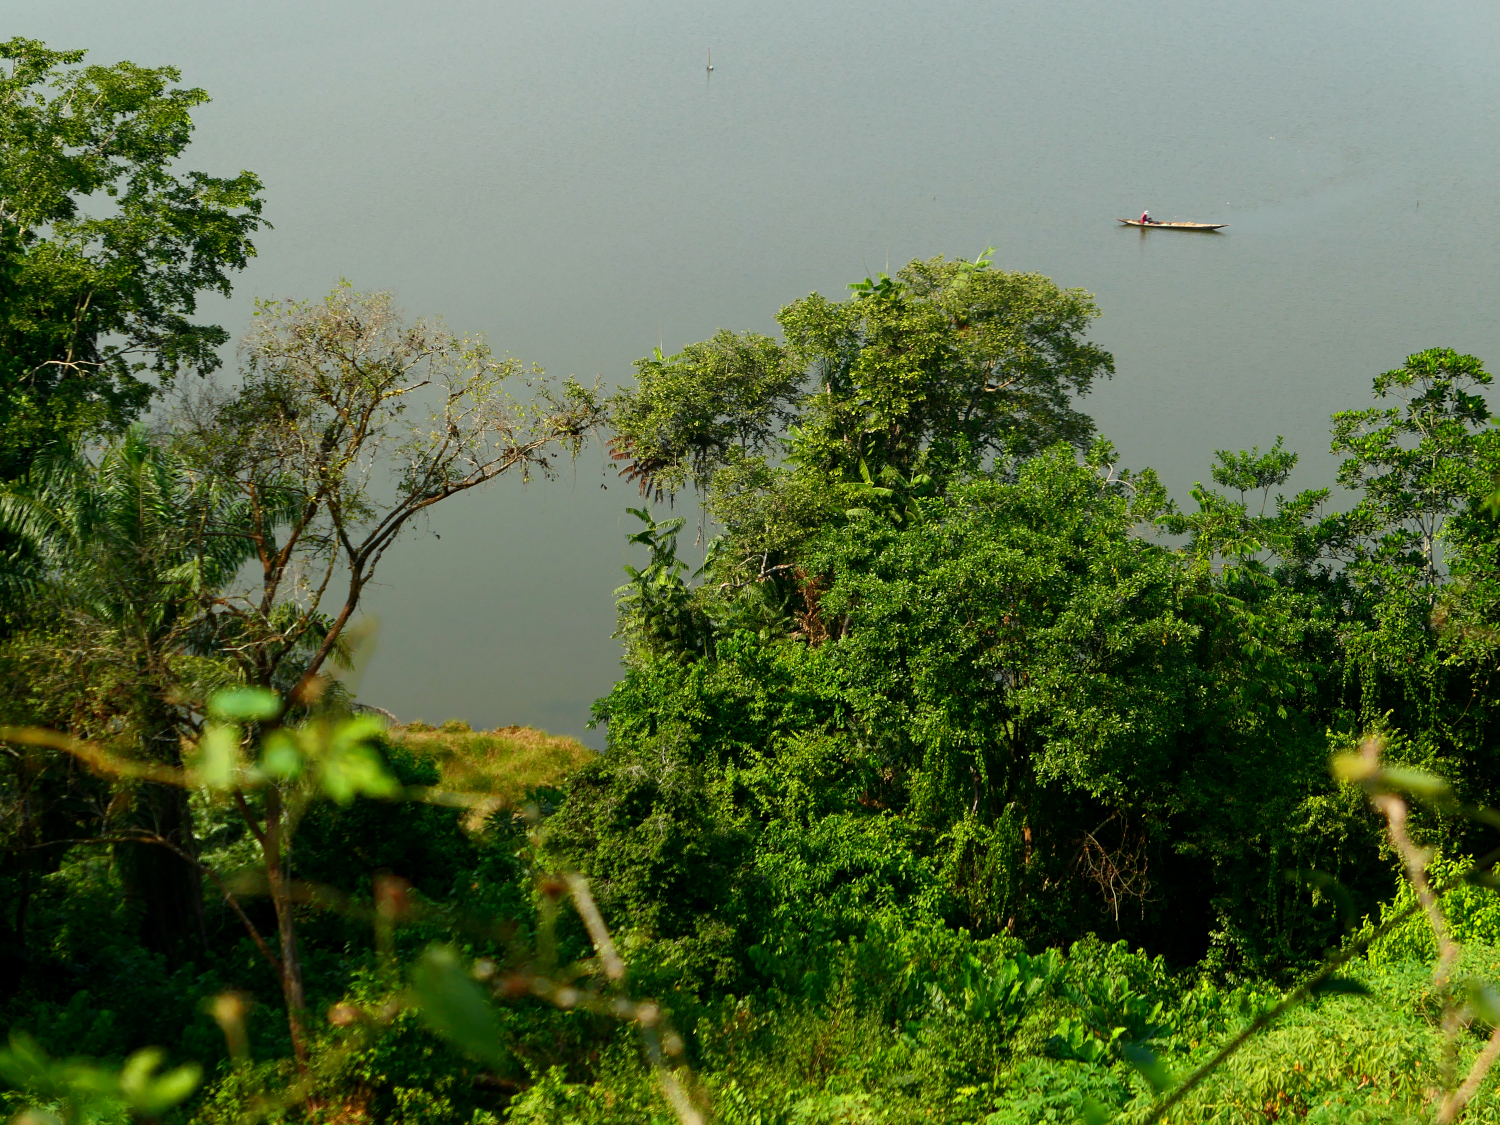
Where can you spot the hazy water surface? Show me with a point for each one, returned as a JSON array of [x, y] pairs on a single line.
[[568, 178]]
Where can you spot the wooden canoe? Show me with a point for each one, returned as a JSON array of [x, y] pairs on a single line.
[[1172, 226]]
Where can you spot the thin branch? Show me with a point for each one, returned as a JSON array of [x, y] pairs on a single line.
[[614, 968], [1394, 809], [94, 755], [1454, 1104], [249, 818], [234, 903]]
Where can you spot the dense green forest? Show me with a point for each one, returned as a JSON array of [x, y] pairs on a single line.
[[972, 778]]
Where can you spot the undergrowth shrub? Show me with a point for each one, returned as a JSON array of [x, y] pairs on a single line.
[[1473, 914]]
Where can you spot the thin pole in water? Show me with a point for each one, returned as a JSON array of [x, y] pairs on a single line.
[[710, 58]]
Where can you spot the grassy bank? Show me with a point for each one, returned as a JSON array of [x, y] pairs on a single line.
[[507, 763]]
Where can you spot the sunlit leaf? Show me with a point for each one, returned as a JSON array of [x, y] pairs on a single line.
[[351, 767], [280, 757], [26, 1066], [151, 1093], [1354, 768], [245, 703], [360, 729], [1416, 782], [218, 758], [24, 1063], [454, 1005]]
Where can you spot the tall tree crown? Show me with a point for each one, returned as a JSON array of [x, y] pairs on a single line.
[[104, 246]]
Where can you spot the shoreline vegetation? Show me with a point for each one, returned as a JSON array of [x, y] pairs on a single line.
[[507, 763]]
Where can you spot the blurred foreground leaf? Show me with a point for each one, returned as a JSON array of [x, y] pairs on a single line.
[[1149, 1066], [1484, 1000], [151, 1093], [87, 1091], [245, 703], [453, 1004]]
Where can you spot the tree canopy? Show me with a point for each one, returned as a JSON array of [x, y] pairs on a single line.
[[105, 245]]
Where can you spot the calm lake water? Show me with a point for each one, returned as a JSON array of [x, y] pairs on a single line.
[[569, 179]]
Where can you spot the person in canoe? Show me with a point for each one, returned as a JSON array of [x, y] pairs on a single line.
[[1146, 219]]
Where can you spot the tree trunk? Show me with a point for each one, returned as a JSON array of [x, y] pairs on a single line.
[[278, 883], [162, 876], [13, 930], [165, 881]]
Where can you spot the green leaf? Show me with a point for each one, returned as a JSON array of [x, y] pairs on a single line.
[[280, 757], [245, 703], [150, 1093], [120, 242], [1353, 768], [453, 1005], [24, 1064], [1151, 1068], [356, 771], [352, 768], [218, 759]]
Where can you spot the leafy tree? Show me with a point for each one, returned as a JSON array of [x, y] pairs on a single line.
[[999, 658], [662, 858], [980, 632], [942, 367], [1420, 551], [869, 404], [866, 565], [656, 605], [1054, 697], [688, 412], [1253, 471], [105, 246], [1414, 464], [1029, 686], [1227, 536]]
